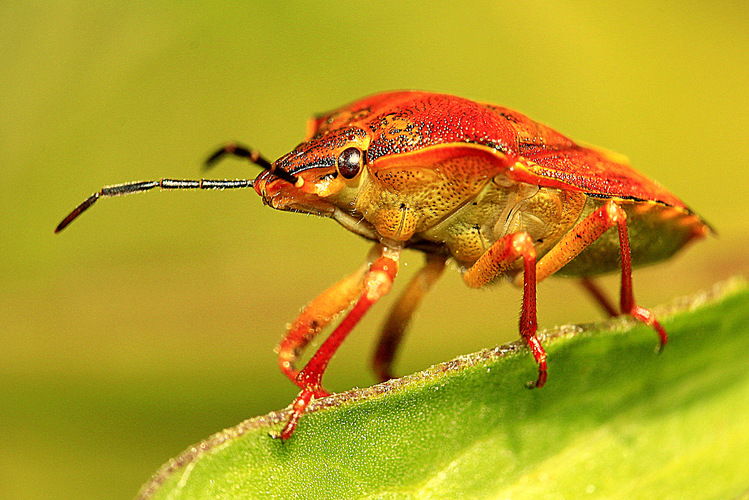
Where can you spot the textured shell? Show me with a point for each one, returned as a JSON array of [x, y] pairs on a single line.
[[403, 122]]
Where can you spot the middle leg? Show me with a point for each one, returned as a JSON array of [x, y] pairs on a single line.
[[495, 262]]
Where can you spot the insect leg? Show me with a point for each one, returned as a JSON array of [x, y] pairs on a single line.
[[627, 297], [401, 313], [585, 233], [314, 317], [601, 299], [377, 282], [492, 264]]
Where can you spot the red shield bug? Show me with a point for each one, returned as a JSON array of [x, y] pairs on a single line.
[[501, 195]]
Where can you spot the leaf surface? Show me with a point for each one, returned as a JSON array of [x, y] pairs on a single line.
[[615, 420]]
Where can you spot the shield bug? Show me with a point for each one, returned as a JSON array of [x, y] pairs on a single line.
[[501, 195]]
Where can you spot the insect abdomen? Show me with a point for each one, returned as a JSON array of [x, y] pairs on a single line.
[[656, 232]]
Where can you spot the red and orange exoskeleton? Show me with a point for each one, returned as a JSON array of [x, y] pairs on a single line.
[[498, 193]]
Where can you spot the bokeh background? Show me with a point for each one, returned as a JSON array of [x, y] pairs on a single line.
[[150, 323]]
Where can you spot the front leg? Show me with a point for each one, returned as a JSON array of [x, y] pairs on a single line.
[[497, 260], [314, 317], [376, 283]]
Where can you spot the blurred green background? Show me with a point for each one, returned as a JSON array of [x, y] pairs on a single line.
[[150, 323]]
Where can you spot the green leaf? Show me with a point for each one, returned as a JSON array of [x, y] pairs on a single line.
[[615, 420]]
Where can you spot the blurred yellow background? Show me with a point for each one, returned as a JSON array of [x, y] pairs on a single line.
[[150, 323]]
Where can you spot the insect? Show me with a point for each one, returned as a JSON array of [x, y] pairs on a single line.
[[501, 195]]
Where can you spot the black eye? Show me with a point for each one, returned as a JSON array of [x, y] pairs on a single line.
[[349, 162]]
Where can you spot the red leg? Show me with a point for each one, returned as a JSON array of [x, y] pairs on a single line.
[[377, 282], [314, 317], [627, 297], [601, 299], [492, 264], [401, 313], [585, 233]]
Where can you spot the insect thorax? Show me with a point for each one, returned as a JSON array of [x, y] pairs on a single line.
[[424, 208]]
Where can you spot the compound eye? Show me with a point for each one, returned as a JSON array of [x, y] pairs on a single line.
[[350, 162]]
